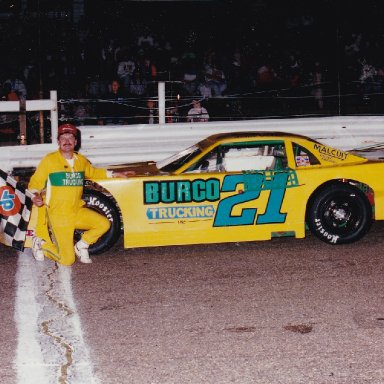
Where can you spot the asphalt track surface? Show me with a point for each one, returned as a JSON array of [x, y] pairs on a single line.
[[286, 311]]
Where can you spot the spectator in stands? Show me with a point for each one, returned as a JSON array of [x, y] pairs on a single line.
[[172, 114], [138, 86], [190, 75], [190, 82], [108, 56], [204, 88], [148, 72], [317, 90], [82, 111], [367, 78], [17, 85], [31, 78], [115, 90], [98, 47], [215, 79], [9, 94], [197, 113], [125, 70], [237, 82], [152, 112], [146, 40], [266, 76], [96, 86], [294, 72], [113, 109]]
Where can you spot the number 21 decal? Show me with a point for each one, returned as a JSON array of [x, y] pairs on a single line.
[[272, 214]]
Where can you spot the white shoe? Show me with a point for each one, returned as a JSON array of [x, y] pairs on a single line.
[[37, 252], [81, 251]]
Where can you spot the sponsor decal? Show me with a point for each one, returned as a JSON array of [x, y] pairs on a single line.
[[9, 202], [181, 212], [328, 153], [302, 161], [67, 179], [209, 190], [181, 191]]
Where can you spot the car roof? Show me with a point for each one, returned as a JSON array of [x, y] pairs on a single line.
[[245, 134]]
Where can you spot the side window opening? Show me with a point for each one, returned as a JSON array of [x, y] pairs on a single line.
[[238, 157], [246, 158], [304, 157], [211, 162]]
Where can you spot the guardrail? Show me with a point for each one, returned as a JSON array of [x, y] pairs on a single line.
[[114, 144]]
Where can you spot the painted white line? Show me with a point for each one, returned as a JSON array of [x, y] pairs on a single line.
[[39, 357], [29, 359]]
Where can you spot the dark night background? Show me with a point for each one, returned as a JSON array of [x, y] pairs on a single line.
[[279, 58]]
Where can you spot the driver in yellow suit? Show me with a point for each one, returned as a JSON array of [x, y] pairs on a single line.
[[57, 185]]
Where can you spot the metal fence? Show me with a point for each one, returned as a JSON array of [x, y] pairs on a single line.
[[325, 99], [38, 120]]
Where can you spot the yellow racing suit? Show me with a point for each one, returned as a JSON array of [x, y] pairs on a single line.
[[64, 209]]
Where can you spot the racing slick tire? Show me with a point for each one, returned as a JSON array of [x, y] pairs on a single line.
[[105, 206], [340, 214]]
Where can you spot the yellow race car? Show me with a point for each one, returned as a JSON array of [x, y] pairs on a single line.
[[242, 186]]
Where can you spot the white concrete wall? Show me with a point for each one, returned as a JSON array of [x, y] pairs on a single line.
[[123, 144]]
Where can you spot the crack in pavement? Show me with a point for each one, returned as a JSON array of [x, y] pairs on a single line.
[[47, 326]]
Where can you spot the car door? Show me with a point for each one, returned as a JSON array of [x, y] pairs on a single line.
[[234, 191]]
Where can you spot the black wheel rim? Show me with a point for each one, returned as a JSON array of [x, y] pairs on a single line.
[[342, 214]]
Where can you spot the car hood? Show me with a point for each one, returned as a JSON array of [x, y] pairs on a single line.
[[144, 168]]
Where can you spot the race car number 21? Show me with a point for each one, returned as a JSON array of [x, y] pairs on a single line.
[[272, 214]]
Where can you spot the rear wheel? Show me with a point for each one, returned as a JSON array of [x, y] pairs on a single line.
[[105, 206], [340, 214]]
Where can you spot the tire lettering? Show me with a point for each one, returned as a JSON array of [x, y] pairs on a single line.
[[95, 202], [333, 238]]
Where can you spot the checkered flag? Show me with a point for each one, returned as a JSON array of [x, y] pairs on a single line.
[[15, 211]]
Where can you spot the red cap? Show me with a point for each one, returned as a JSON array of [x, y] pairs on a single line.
[[67, 128]]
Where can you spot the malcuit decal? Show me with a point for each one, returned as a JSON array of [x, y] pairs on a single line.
[[181, 191], [9, 202], [183, 212], [328, 152]]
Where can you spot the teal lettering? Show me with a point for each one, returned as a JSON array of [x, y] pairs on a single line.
[[198, 190], [168, 193], [212, 189], [272, 213], [151, 193], [181, 191], [184, 191]]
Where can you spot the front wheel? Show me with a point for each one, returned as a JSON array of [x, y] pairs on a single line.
[[105, 206], [340, 214]]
